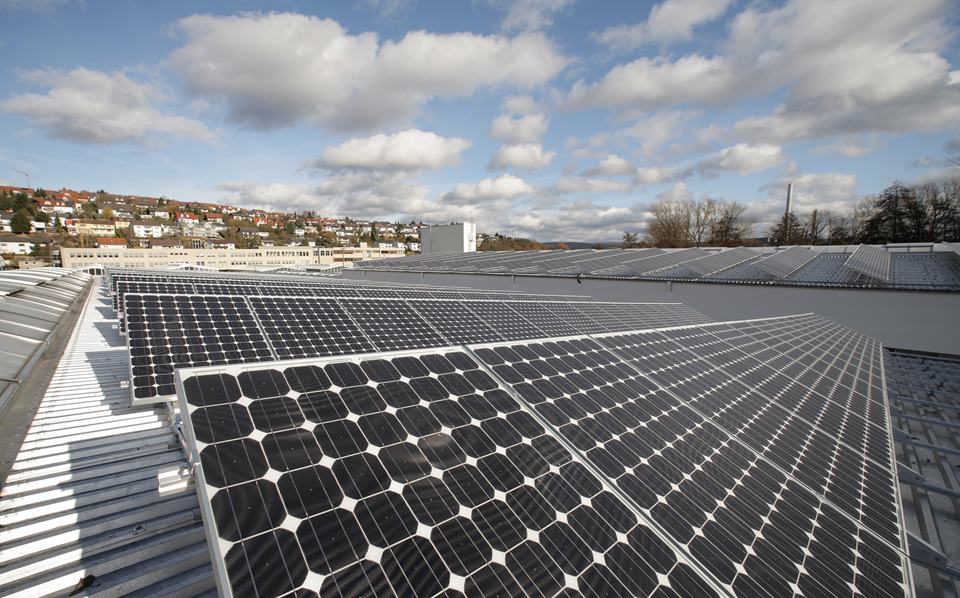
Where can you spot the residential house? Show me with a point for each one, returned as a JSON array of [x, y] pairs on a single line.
[[20, 245], [95, 228], [147, 229], [187, 218], [165, 243]]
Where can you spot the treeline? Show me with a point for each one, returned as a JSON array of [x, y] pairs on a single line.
[[708, 222], [927, 213], [499, 242]]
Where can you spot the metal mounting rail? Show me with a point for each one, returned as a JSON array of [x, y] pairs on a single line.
[[910, 477], [922, 402], [926, 555], [902, 437], [897, 412]]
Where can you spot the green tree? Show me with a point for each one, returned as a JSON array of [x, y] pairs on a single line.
[[22, 202], [41, 217], [56, 224], [22, 222], [39, 193]]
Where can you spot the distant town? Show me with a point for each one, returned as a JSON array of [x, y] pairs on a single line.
[[35, 221]]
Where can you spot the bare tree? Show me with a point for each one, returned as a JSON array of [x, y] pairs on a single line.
[[704, 214], [669, 224], [731, 224], [836, 227]]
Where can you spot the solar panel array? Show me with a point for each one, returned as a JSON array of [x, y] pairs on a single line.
[[930, 268], [241, 325], [746, 459], [784, 263], [870, 260]]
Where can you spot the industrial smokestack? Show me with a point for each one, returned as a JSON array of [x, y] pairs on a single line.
[[789, 198]]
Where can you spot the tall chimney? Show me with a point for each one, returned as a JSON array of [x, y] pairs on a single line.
[[789, 198]]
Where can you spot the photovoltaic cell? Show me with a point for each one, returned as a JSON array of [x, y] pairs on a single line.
[[391, 324], [455, 322], [308, 327], [784, 263], [166, 332], [870, 260], [403, 496], [506, 322], [688, 446]]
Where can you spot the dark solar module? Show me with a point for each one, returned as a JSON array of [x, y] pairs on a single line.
[[667, 440], [543, 317], [308, 327], [392, 325], [455, 322], [608, 315], [166, 332], [492, 506], [505, 321]]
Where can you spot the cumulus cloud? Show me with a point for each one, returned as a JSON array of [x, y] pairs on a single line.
[[742, 158], [652, 175], [659, 129], [579, 185], [89, 106], [848, 67], [275, 70], [678, 192], [272, 196], [410, 150], [519, 130], [530, 15], [505, 186], [526, 156], [851, 148], [612, 165], [669, 21]]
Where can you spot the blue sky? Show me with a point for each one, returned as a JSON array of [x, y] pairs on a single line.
[[551, 119]]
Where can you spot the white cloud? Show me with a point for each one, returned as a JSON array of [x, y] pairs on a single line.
[[851, 148], [743, 158], [847, 67], [410, 150], [669, 21], [272, 196], [276, 70], [652, 175], [579, 185], [520, 105], [526, 156], [519, 130], [505, 186], [679, 192], [95, 107], [659, 129], [612, 165], [530, 15]]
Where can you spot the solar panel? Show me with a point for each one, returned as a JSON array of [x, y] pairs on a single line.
[[729, 458], [408, 475], [506, 322], [166, 332], [391, 324], [870, 260], [308, 327], [455, 322], [720, 260], [784, 263]]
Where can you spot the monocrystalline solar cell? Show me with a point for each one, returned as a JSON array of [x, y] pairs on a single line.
[[490, 504], [308, 327], [166, 332], [391, 324]]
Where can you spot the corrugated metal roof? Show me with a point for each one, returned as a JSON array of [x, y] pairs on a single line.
[[85, 494]]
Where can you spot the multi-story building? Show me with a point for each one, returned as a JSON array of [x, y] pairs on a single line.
[[222, 258], [362, 252], [96, 228], [144, 230]]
